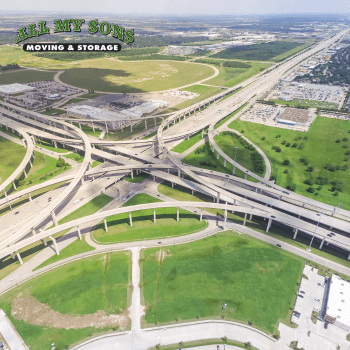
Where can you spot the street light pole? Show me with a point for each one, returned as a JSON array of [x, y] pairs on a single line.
[[312, 239]]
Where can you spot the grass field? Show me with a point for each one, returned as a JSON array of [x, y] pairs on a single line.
[[89, 130], [319, 149], [283, 233], [79, 288], [143, 227], [136, 178], [75, 156], [53, 111], [8, 54], [49, 146], [229, 77], [271, 51], [77, 247], [44, 167], [306, 103], [203, 157], [11, 155], [113, 76], [26, 76], [255, 279], [186, 144]]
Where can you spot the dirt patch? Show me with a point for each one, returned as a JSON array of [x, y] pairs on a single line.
[[162, 254], [30, 310]]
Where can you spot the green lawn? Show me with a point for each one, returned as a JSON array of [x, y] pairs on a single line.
[[73, 100], [283, 233], [306, 103], [53, 111], [320, 149], [79, 288], [44, 167], [203, 157], [119, 229], [186, 144], [97, 162], [223, 121], [91, 95], [11, 155], [232, 76], [89, 208], [89, 130], [136, 178], [49, 146], [256, 280], [75, 156], [77, 247]]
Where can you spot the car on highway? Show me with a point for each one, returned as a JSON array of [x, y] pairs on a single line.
[[300, 295], [273, 217], [326, 325], [318, 300], [302, 292], [316, 309], [278, 245], [17, 212]]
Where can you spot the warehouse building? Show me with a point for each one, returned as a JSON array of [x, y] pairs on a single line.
[[293, 116], [338, 303], [11, 89]]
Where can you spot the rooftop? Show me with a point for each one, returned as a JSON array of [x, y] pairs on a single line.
[[295, 115], [14, 88]]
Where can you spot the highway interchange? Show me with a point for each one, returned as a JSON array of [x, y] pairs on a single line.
[[263, 198]]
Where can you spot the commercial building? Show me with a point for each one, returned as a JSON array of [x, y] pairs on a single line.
[[293, 116], [338, 303]]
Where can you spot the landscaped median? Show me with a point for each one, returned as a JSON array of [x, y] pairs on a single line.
[[143, 227]]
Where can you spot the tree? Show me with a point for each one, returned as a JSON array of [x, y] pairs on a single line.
[[310, 169], [311, 190], [288, 144], [286, 171], [309, 182], [263, 138], [294, 145], [337, 186], [301, 146], [286, 162], [291, 187], [60, 162]]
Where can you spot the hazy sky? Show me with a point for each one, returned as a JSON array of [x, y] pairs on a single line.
[[182, 6]]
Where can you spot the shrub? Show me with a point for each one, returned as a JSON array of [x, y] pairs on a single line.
[[288, 144], [273, 178], [329, 167], [345, 167], [319, 188], [263, 138], [242, 131], [336, 193], [337, 141], [295, 145], [309, 182], [283, 142], [60, 162], [311, 190], [304, 161], [337, 186], [345, 139], [286, 171], [291, 187], [310, 169], [301, 146], [276, 148], [306, 137], [286, 162], [277, 136]]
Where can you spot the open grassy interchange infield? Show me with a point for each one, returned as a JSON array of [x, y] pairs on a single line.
[[143, 227], [101, 282], [256, 280], [320, 149]]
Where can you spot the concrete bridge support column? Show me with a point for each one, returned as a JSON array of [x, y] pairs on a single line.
[[154, 215], [14, 185], [225, 217], [155, 121], [19, 258], [154, 178], [54, 219], [192, 192], [105, 222], [179, 173], [79, 126], [234, 170], [82, 180], [202, 133], [245, 176], [349, 257], [25, 174], [13, 256], [201, 215], [130, 218], [55, 245], [225, 163], [44, 241], [79, 233], [218, 156], [177, 214], [321, 243], [251, 215], [33, 231], [55, 143], [218, 197], [93, 128], [295, 233], [146, 124], [245, 219], [172, 185], [132, 173], [268, 225]]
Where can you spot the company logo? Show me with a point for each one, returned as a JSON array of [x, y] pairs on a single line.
[[69, 25]]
